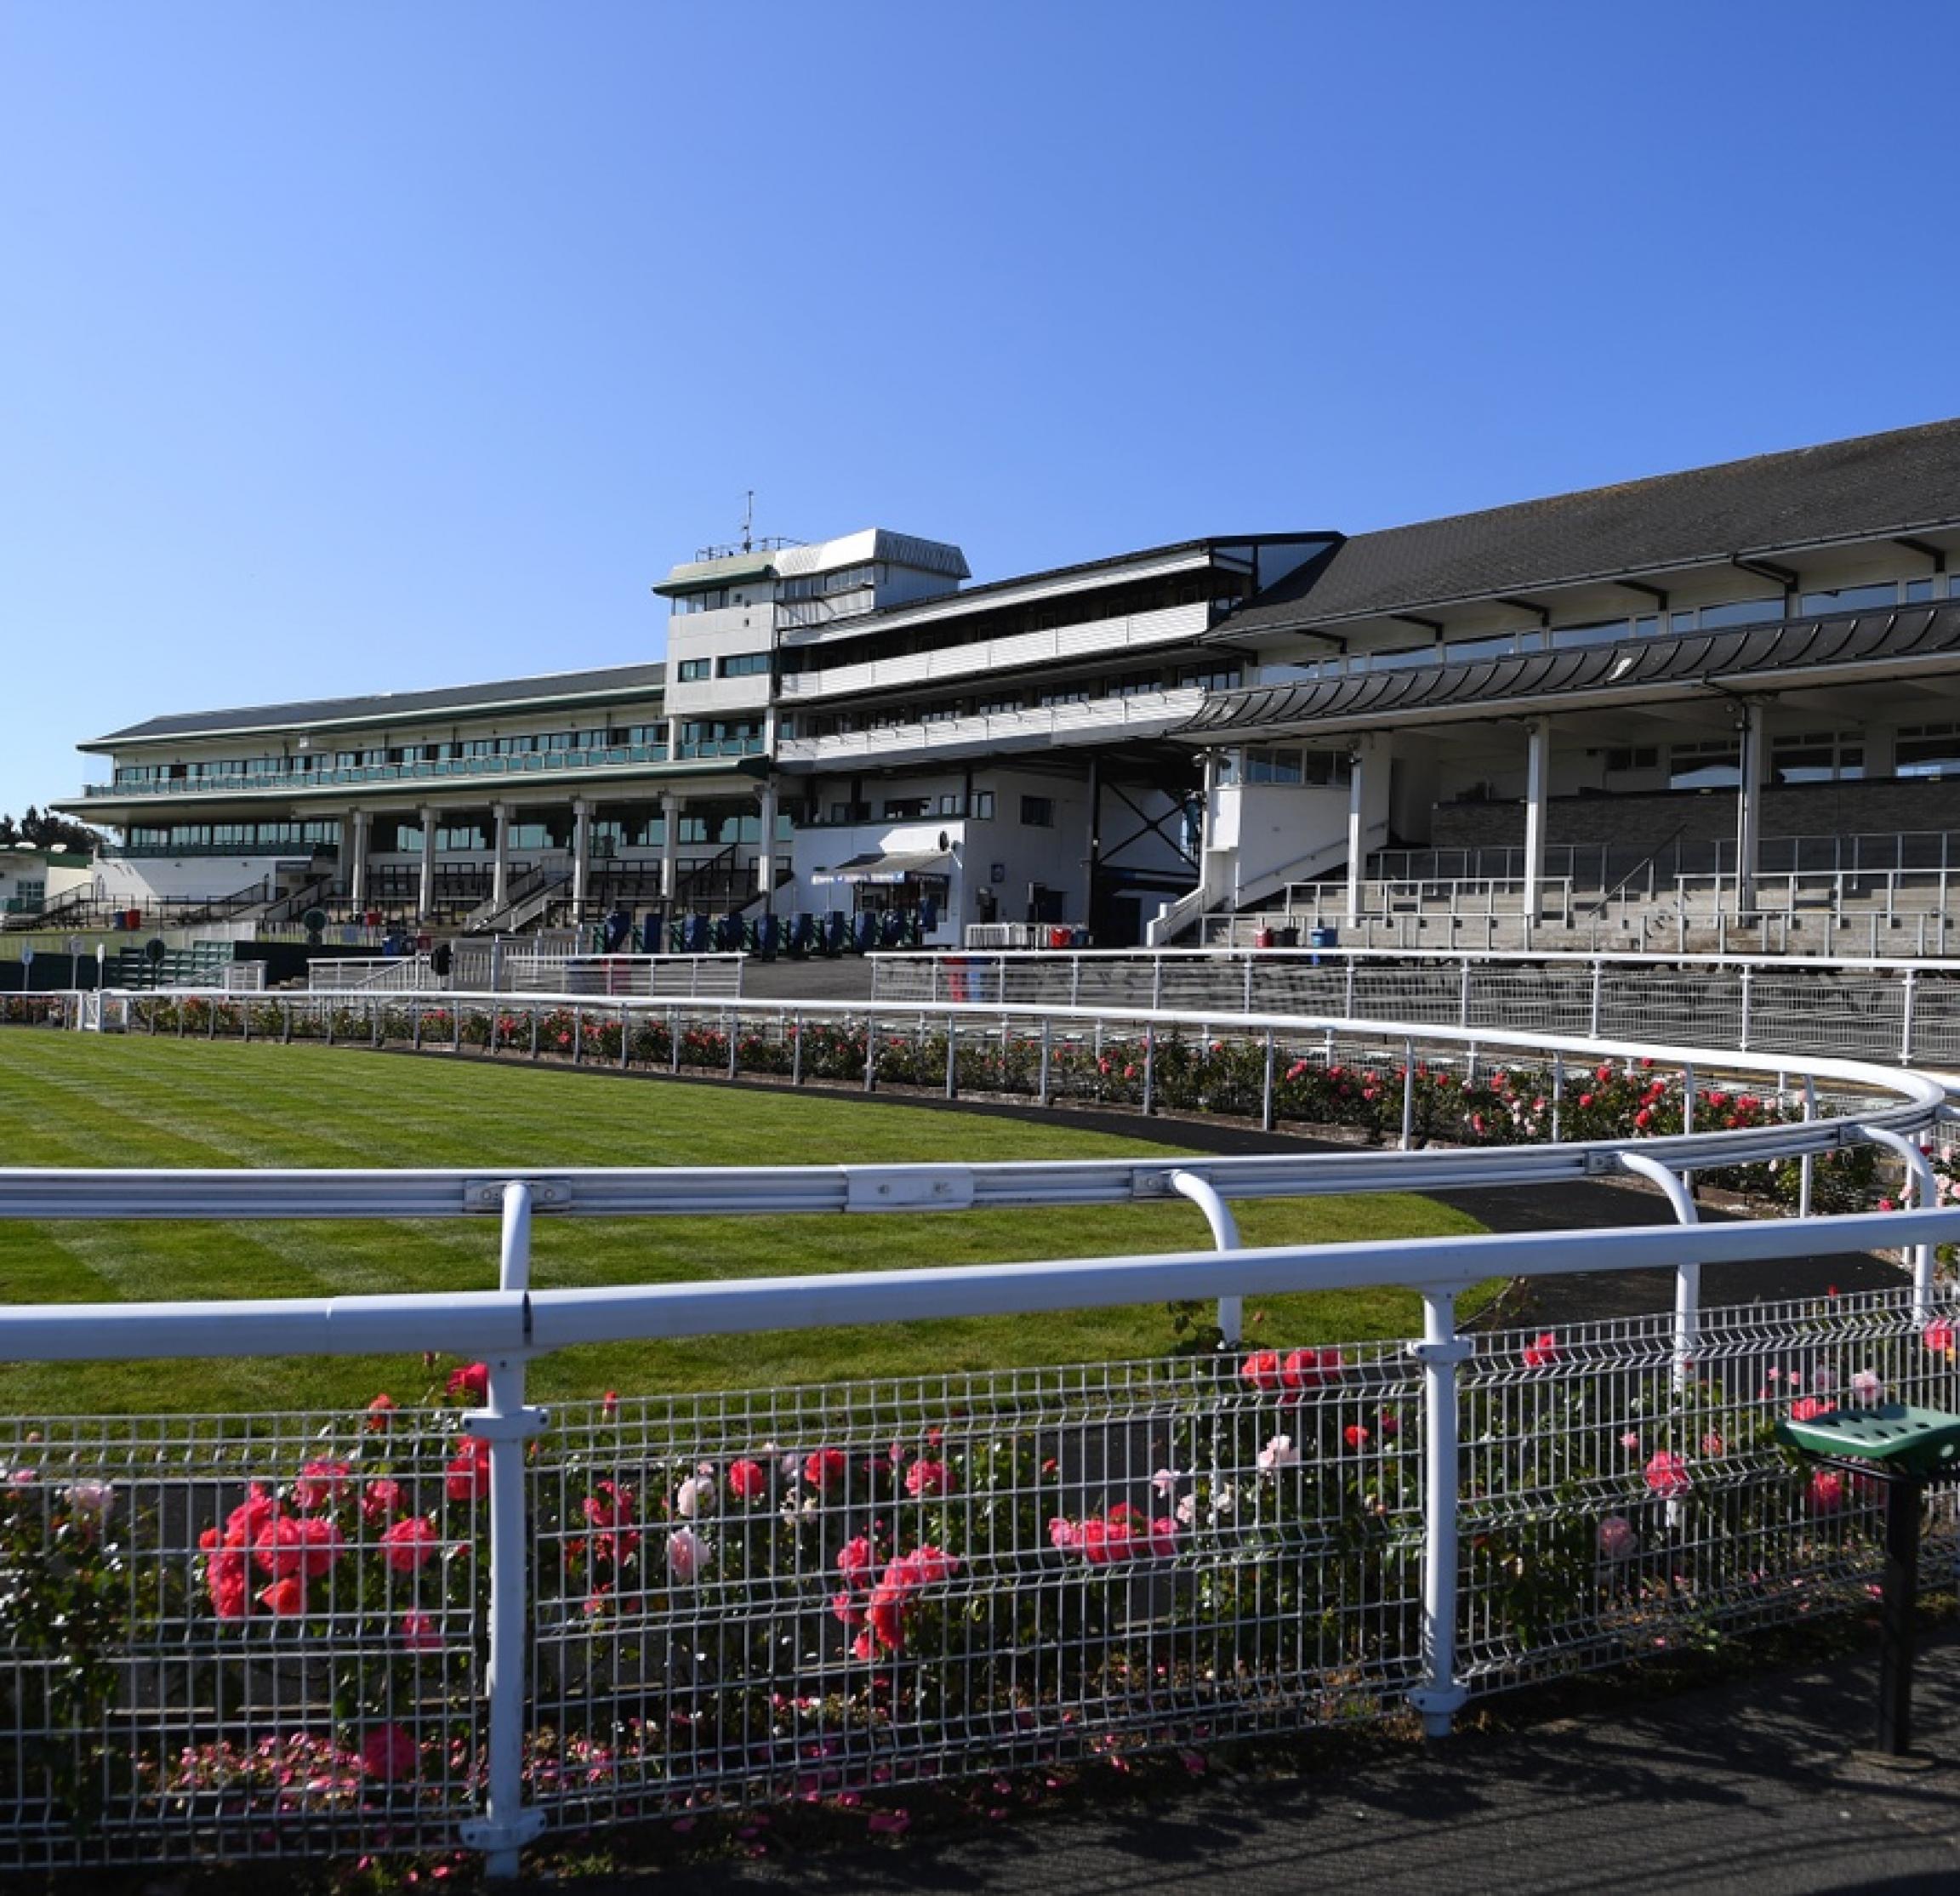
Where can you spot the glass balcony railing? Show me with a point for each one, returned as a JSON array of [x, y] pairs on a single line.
[[430, 770]]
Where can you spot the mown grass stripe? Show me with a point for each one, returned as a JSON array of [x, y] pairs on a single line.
[[78, 1100]]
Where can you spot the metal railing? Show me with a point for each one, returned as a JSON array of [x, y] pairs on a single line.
[[673, 1603], [1901, 1009], [460, 1625], [386, 974], [699, 976]]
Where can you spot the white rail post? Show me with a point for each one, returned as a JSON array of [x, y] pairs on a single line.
[[952, 1056], [1925, 1183], [1408, 1094], [796, 1048], [1045, 1046], [1905, 1018], [506, 1424], [1149, 1070], [1808, 1165], [870, 1053], [1441, 1692], [1225, 1235], [1687, 1277]]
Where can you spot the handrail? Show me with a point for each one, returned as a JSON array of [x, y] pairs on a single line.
[[1652, 857]]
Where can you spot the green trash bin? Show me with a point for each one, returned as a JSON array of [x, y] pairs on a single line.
[[1909, 1450]]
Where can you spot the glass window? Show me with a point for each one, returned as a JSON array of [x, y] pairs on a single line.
[[1038, 812], [1632, 757], [691, 671], [1210, 678], [984, 803], [1928, 750], [1273, 766], [1740, 611], [743, 664], [1851, 598], [1598, 632], [1703, 767], [1816, 757]]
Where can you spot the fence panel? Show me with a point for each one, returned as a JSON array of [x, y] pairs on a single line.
[[235, 1635]]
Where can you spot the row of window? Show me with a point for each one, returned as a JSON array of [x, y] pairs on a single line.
[[308, 763], [1283, 764], [1037, 812], [910, 809], [248, 838], [736, 664], [626, 828], [1002, 700], [1769, 607], [1799, 757], [818, 585]]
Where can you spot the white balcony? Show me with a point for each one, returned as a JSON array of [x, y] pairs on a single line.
[[1092, 638], [1097, 720]]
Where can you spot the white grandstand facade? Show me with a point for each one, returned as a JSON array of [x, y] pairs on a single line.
[[1685, 680]]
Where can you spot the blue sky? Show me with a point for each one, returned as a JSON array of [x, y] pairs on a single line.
[[367, 346]]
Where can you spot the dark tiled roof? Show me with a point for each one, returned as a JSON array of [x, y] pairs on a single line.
[[1904, 481], [565, 687], [1622, 672]]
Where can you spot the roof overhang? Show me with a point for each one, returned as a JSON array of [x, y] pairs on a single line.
[[702, 576], [893, 867], [1903, 642]]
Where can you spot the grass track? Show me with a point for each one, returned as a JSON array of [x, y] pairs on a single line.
[[81, 1100]]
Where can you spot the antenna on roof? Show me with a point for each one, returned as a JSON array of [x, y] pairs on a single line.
[[748, 524]]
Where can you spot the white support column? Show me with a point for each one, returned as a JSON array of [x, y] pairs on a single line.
[[425, 892], [671, 809], [1537, 780], [765, 857], [1357, 829], [581, 853], [1748, 809], [355, 832], [500, 860]]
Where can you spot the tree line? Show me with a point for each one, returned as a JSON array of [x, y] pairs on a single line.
[[37, 831]]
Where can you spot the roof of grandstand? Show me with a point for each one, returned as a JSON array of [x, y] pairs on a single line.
[[555, 688], [1904, 481]]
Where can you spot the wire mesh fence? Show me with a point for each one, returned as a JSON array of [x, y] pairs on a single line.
[[262, 1637], [234, 1635]]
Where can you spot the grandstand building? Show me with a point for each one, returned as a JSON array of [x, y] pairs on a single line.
[[1698, 661]]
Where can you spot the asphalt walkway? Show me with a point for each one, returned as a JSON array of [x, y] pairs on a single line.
[[1753, 1785]]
